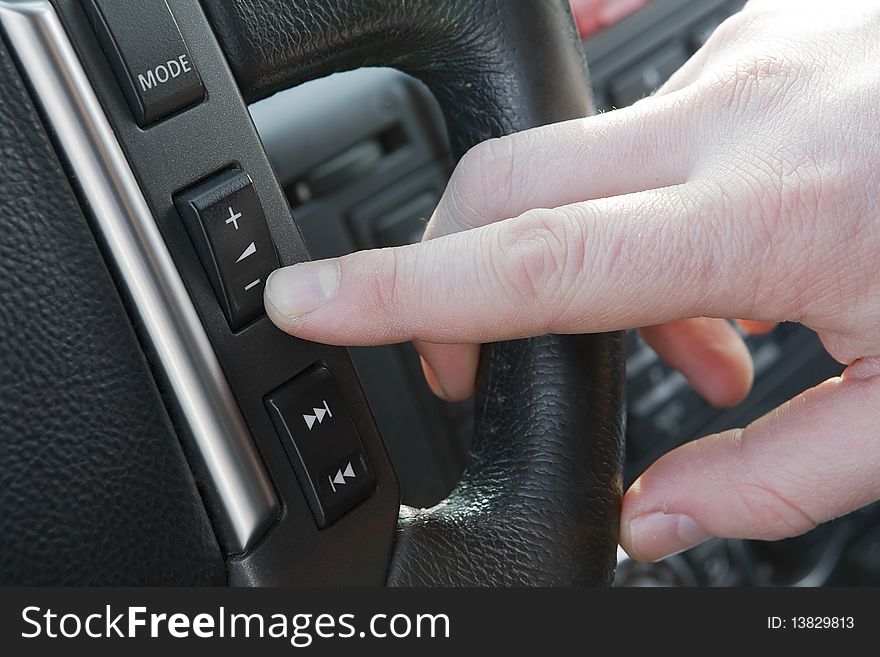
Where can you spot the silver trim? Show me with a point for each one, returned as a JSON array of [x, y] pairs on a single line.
[[246, 498]]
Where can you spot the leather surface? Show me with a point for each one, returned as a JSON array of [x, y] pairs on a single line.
[[94, 488], [495, 66], [539, 503]]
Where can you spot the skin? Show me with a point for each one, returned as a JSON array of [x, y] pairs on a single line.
[[746, 187]]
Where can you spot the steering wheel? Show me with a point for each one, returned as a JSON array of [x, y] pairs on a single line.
[[94, 484]]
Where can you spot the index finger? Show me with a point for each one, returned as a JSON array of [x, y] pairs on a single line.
[[614, 263]]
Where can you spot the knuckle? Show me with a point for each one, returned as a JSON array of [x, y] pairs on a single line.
[[482, 183], [775, 188], [542, 252], [750, 79]]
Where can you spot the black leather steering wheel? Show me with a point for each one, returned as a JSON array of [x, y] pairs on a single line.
[[539, 501]]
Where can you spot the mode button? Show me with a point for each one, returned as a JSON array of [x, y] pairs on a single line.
[[148, 56]]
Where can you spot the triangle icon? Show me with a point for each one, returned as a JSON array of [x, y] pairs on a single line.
[[310, 421], [320, 412], [338, 479], [249, 251], [349, 472]]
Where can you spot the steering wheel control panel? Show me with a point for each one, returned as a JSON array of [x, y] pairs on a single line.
[[322, 443], [174, 107], [228, 228], [148, 55]]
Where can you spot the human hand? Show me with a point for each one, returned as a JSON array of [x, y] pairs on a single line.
[[746, 187]]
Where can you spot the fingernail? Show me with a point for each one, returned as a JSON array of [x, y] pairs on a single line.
[[665, 534], [433, 381], [298, 290]]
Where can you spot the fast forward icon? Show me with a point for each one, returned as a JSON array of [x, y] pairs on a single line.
[[317, 415]]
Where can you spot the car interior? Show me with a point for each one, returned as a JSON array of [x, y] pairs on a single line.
[[163, 158]]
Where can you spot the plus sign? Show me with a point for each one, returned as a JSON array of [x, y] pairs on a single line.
[[233, 217]]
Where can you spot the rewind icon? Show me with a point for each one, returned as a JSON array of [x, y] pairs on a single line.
[[341, 475]]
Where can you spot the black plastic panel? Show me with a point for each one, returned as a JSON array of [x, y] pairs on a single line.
[[171, 156]]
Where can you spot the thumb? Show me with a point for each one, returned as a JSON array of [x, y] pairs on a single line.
[[593, 266], [813, 459]]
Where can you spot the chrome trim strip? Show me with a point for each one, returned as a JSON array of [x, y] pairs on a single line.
[[247, 501]]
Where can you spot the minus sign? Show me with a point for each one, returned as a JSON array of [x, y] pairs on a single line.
[[251, 284]]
